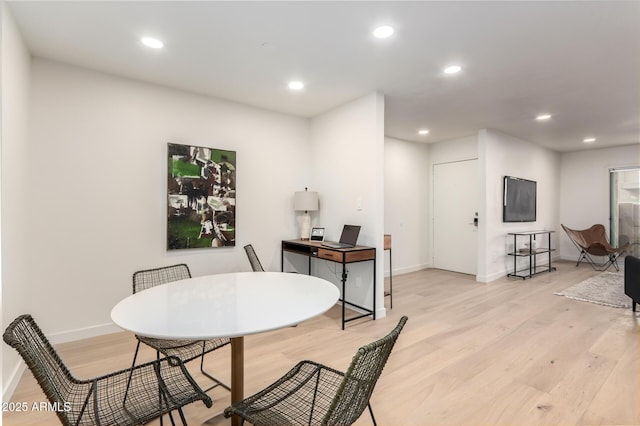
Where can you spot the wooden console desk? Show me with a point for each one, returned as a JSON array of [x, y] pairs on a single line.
[[315, 249]]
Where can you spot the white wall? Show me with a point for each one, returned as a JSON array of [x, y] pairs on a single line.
[[406, 204], [97, 196], [453, 150], [584, 189], [16, 195], [501, 155], [347, 151]]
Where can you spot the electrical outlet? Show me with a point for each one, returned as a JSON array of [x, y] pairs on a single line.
[[359, 203]]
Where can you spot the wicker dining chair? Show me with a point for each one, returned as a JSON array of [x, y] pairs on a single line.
[[253, 258], [132, 396], [314, 394], [185, 350]]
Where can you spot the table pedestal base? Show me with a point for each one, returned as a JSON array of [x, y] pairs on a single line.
[[237, 374]]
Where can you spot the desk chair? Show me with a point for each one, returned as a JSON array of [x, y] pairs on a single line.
[[185, 350], [314, 394], [255, 262], [253, 258], [133, 396]]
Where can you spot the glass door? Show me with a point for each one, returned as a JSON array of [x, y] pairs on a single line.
[[625, 208]]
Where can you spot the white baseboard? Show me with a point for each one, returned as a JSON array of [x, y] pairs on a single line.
[[13, 380], [83, 333], [407, 269], [491, 277], [497, 275], [380, 313]]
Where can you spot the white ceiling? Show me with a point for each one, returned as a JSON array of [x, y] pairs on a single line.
[[579, 61]]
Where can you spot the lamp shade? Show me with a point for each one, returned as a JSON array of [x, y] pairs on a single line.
[[305, 201]]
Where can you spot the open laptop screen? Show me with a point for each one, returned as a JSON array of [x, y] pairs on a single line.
[[350, 234]]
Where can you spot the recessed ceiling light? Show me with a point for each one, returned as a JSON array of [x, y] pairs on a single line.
[[296, 85], [153, 43], [589, 140], [452, 69], [423, 132], [543, 117], [383, 31]]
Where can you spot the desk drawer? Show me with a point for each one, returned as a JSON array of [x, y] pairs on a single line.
[[330, 255]]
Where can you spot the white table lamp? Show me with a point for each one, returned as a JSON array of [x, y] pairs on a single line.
[[305, 201]]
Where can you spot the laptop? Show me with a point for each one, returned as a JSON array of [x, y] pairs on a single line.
[[348, 238]]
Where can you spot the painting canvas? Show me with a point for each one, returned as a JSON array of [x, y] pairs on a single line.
[[201, 197]]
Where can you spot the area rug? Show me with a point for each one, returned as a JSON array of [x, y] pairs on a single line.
[[605, 289]]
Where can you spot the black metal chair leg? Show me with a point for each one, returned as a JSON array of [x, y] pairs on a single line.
[[614, 260], [371, 412], [216, 381], [161, 396], [173, 423], [184, 421], [133, 364]]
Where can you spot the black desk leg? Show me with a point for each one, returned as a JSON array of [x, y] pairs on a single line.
[[344, 298], [374, 289], [390, 281]]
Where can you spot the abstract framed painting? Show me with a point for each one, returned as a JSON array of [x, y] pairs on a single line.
[[201, 197]]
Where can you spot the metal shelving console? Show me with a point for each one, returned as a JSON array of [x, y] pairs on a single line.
[[531, 251]]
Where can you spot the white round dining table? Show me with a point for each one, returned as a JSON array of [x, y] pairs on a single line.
[[225, 305]]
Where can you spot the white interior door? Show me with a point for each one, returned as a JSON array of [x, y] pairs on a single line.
[[455, 214]]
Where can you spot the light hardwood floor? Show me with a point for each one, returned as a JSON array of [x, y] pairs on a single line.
[[505, 353]]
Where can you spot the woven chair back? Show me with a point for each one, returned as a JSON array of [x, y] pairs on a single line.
[[52, 375], [253, 258], [148, 278], [360, 379]]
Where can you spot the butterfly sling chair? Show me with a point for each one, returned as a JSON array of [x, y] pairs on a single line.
[[314, 394], [133, 396], [593, 242]]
